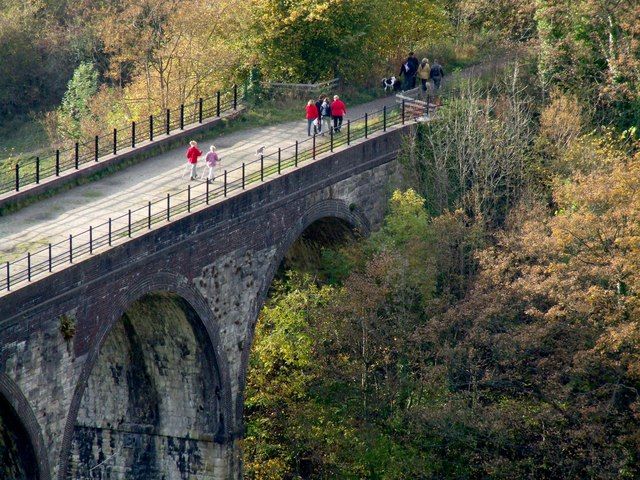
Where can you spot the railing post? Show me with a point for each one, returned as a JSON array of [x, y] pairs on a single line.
[[331, 140], [200, 110], [70, 248], [168, 122], [189, 198], [243, 175], [90, 239], [235, 96], [96, 151], [279, 160], [8, 278], [133, 134], [206, 198], [218, 103], [29, 266], [225, 183], [348, 132], [366, 125], [262, 167], [403, 109], [17, 177], [50, 259], [384, 118], [296, 155], [77, 155], [151, 128], [115, 141], [129, 223], [182, 116], [314, 146], [149, 216], [57, 163], [37, 169], [168, 207], [109, 231]]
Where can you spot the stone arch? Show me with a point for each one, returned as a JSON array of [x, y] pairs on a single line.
[[331, 209], [158, 352], [21, 440]]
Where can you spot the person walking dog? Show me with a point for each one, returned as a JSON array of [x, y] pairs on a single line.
[[408, 70], [211, 159], [192, 157], [338, 111]]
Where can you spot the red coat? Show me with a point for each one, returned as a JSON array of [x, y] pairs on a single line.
[[192, 154], [338, 108], [312, 112]]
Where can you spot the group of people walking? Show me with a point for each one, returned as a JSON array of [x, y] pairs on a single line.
[[325, 115], [412, 69], [211, 159]]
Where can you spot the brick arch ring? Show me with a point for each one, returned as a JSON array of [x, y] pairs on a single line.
[[166, 282], [329, 208], [14, 396]]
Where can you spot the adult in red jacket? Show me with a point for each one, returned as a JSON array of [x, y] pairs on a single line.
[[338, 111], [312, 115], [192, 157]]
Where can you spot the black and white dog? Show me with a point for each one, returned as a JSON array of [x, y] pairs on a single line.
[[391, 83]]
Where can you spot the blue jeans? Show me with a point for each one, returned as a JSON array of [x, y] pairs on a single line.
[[309, 125]]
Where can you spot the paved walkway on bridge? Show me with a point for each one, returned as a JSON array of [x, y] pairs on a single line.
[[53, 219]]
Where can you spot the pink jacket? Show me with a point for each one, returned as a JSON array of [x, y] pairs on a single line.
[[212, 159]]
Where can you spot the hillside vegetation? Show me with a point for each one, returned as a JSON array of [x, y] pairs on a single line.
[[491, 329]]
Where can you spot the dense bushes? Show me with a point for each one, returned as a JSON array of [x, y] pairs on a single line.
[[466, 342]]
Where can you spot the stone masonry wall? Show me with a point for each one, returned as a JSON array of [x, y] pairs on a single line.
[[220, 261]]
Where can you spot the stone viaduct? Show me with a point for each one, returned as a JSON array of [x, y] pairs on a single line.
[[131, 363]]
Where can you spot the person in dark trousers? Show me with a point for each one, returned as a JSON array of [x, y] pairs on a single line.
[[318, 128], [436, 74], [338, 111], [409, 70]]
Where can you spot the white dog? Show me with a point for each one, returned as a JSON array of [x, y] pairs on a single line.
[[388, 83]]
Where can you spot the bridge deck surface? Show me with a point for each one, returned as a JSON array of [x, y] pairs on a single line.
[[71, 212]]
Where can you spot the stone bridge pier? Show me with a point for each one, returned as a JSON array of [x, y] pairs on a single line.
[[131, 364]]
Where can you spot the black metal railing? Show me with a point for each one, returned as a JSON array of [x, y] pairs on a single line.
[[119, 229], [34, 170]]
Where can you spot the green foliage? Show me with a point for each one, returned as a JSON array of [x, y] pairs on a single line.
[[75, 103], [315, 40], [67, 326]]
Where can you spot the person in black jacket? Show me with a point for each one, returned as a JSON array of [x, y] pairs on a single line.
[[318, 128], [436, 74], [409, 69]]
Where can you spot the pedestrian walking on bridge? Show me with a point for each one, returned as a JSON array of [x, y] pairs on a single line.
[[338, 111], [192, 157], [312, 116], [212, 159]]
